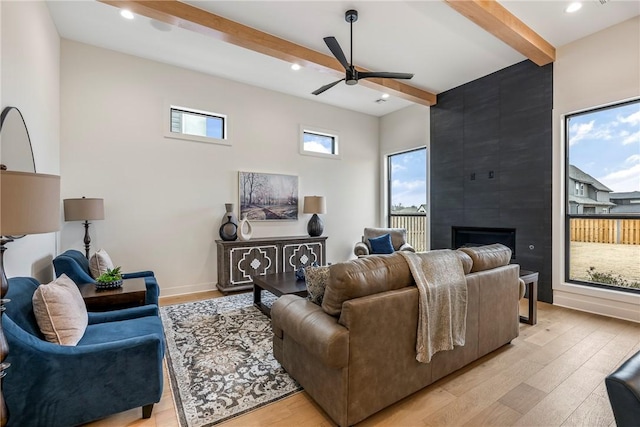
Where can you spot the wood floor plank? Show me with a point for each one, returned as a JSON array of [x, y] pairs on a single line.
[[558, 405], [564, 366], [594, 411], [412, 410], [522, 398], [477, 399], [495, 415]]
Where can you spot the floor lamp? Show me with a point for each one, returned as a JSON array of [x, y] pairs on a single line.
[[29, 204], [84, 210]]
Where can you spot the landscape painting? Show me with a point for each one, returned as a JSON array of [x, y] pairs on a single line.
[[267, 197]]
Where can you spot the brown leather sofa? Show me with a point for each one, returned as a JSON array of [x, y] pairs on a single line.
[[356, 354]]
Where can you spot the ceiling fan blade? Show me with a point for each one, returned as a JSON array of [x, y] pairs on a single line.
[[335, 48], [326, 87], [384, 75]]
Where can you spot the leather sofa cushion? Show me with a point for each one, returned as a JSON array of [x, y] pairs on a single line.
[[488, 256], [467, 262], [364, 276]]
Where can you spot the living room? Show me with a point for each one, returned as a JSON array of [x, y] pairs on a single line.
[[95, 117]]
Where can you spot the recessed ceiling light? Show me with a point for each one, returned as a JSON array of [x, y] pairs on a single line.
[[127, 14], [295, 67], [385, 95], [573, 7]]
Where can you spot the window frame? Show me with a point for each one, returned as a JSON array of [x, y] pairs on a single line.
[[314, 130], [567, 208], [168, 133]]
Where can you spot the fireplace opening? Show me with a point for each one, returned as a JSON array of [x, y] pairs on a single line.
[[479, 236]]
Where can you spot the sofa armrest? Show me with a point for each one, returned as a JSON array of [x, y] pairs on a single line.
[[406, 247], [308, 325], [361, 249]]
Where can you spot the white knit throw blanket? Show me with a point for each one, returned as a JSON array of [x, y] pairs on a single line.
[[442, 308]]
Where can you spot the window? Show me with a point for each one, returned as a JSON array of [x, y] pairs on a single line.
[[197, 125], [407, 199], [318, 142], [602, 232]]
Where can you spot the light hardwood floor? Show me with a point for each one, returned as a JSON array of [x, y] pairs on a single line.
[[551, 375]]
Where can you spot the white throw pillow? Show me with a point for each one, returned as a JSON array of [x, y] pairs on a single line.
[[99, 263], [60, 311]]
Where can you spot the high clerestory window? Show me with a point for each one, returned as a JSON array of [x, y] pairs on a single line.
[[197, 125]]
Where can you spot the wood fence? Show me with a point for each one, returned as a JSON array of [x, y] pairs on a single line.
[[597, 230], [416, 226]]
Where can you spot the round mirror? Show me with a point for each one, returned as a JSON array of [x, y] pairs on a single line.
[[15, 146]]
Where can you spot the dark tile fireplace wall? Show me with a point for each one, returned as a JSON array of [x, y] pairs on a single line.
[[491, 147]]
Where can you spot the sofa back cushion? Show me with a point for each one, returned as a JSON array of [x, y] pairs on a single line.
[[364, 276], [488, 256]]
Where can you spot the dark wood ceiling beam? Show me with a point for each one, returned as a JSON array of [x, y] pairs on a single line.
[[191, 18], [494, 18]]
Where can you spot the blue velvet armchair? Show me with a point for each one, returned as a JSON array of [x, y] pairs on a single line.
[[76, 266], [116, 366]]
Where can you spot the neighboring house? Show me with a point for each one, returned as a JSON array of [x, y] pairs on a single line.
[[587, 195], [422, 208], [628, 202]]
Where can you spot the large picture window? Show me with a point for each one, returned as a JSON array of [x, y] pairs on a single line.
[[603, 197], [407, 199]]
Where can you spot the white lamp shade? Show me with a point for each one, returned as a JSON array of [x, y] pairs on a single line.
[[29, 203], [314, 205], [83, 209]]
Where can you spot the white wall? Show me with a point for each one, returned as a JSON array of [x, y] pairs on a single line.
[[164, 198], [30, 80], [597, 70], [403, 130]]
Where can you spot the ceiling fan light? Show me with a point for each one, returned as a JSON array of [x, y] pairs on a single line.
[[295, 67], [351, 82]]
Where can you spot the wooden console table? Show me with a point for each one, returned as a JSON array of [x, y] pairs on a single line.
[[238, 261]]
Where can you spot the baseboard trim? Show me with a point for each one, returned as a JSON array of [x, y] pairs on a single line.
[[187, 289], [618, 304]]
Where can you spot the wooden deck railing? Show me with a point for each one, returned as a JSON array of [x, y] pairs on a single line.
[[600, 230], [416, 226]]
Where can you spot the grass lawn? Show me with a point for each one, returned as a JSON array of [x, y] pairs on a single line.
[[617, 259]]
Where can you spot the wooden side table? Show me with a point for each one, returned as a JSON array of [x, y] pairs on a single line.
[[132, 293], [530, 279]]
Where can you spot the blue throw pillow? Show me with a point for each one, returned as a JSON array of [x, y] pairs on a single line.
[[381, 244]]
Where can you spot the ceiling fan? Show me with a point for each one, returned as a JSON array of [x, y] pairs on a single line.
[[352, 75]]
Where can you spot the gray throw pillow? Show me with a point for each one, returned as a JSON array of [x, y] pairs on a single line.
[[316, 279]]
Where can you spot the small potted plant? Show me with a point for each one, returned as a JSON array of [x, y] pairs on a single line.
[[112, 278]]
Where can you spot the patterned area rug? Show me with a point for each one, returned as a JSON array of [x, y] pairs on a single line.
[[220, 358]]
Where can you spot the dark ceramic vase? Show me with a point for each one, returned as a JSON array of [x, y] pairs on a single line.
[[229, 230]]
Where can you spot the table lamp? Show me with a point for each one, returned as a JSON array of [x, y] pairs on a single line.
[[84, 209], [314, 205]]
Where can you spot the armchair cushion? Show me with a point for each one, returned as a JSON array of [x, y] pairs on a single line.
[[381, 244], [60, 311], [99, 263]]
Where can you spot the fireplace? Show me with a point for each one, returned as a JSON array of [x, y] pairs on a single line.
[[479, 236]]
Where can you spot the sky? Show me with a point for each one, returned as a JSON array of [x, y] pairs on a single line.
[[409, 178], [606, 145]]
